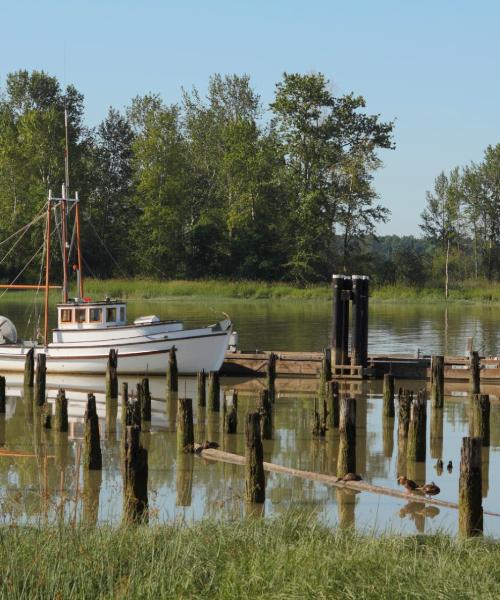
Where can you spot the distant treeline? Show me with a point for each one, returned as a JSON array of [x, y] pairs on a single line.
[[222, 186]]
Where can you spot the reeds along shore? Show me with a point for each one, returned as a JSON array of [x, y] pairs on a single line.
[[474, 292], [241, 559]]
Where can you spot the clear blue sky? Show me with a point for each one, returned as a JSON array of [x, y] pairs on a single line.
[[434, 66]]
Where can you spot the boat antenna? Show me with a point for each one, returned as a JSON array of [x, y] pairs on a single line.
[[64, 210], [66, 153]]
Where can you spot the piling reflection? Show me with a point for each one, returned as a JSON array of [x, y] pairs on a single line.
[[485, 470], [346, 502], [184, 478], [436, 442], [388, 436], [92, 480]]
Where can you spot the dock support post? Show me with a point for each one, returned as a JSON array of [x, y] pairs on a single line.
[[255, 481], [405, 398], [347, 443], [266, 415], [337, 319], [364, 321], [41, 374], [480, 418], [214, 391], [271, 376], [470, 510], [437, 381], [29, 368], [346, 295], [202, 388], [474, 377], [388, 395], [185, 428], [417, 429], [135, 492], [2, 394], [358, 320], [172, 376], [92, 457], [61, 416]]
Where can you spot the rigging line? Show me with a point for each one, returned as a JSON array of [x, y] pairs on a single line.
[[27, 226], [106, 248], [23, 269], [13, 247], [34, 312]]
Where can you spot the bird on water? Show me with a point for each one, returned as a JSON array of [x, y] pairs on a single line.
[[449, 466]]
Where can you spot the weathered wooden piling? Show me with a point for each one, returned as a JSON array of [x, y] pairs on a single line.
[[46, 415], [185, 428], [266, 415], [364, 321], [255, 481], [145, 401], [346, 462], [470, 509], [333, 400], [124, 406], [405, 398], [359, 341], [135, 479], [337, 319], [346, 298], [271, 376], [2, 394], [214, 391], [172, 375], [437, 381], [41, 373], [479, 425], [112, 376], [416, 448], [388, 395], [202, 388], [29, 368], [61, 414], [92, 457], [474, 376]]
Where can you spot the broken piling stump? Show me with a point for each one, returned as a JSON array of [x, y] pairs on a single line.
[[202, 388], [266, 415], [388, 395], [41, 374], [271, 377], [29, 368], [172, 377], [135, 478], [2, 394], [92, 457], [470, 509], [255, 481], [185, 428], [416, 448], [346, 462], [437, 381], [480, 418], [214, 391], [474, 375], [112, 376], [61, 417]]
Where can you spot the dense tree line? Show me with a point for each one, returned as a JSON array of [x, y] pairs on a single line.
[[218, 185]]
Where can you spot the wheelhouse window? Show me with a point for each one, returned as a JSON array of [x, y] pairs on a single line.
[[122, 314], [95, 315], [66, 315], [80, 315], [111, 315]]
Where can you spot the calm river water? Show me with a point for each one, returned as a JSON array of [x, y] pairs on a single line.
[[38, 478]]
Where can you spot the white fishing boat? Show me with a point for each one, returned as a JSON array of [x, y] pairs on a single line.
[[87, 330]]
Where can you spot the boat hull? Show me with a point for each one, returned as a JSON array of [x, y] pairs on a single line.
[[196, 350]]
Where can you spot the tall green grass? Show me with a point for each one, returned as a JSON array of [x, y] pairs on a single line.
[[288, 557]]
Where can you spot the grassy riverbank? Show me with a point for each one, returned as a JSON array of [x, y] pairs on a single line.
[[479, 292], [290, 557]]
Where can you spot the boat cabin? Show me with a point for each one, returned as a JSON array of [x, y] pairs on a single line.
[[91, 315]]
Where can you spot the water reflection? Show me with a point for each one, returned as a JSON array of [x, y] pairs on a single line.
[[38, 480]]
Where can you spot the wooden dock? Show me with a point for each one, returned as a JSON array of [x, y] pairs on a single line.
[[307, 365]]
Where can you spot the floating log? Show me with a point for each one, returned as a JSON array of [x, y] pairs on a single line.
[[255, 481], [474, 375], [266, 415], [2, 394], [135, 484], [185, 428], [332, 480], [346, 462], [41, 374], [470, 509], [29, 368], [61, 416], [112, 376], [437, 381], [202, 388], [92, 457], [416, 448], [480, 418], [388, 395], [214, 391]]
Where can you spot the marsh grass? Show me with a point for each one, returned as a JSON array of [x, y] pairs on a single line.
[[288, 557]]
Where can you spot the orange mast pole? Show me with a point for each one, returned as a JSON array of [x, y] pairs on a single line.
[[78, 245], [47, 270]]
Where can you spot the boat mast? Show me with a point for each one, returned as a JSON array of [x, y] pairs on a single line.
[[78, 246], [47, 269], [64, 210]]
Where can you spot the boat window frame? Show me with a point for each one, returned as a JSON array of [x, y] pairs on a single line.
[[111, 310], [121, 314], [63, 313], [97, 309], [79, 311]]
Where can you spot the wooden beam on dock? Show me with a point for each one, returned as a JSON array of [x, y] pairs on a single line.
[[331, 480]]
